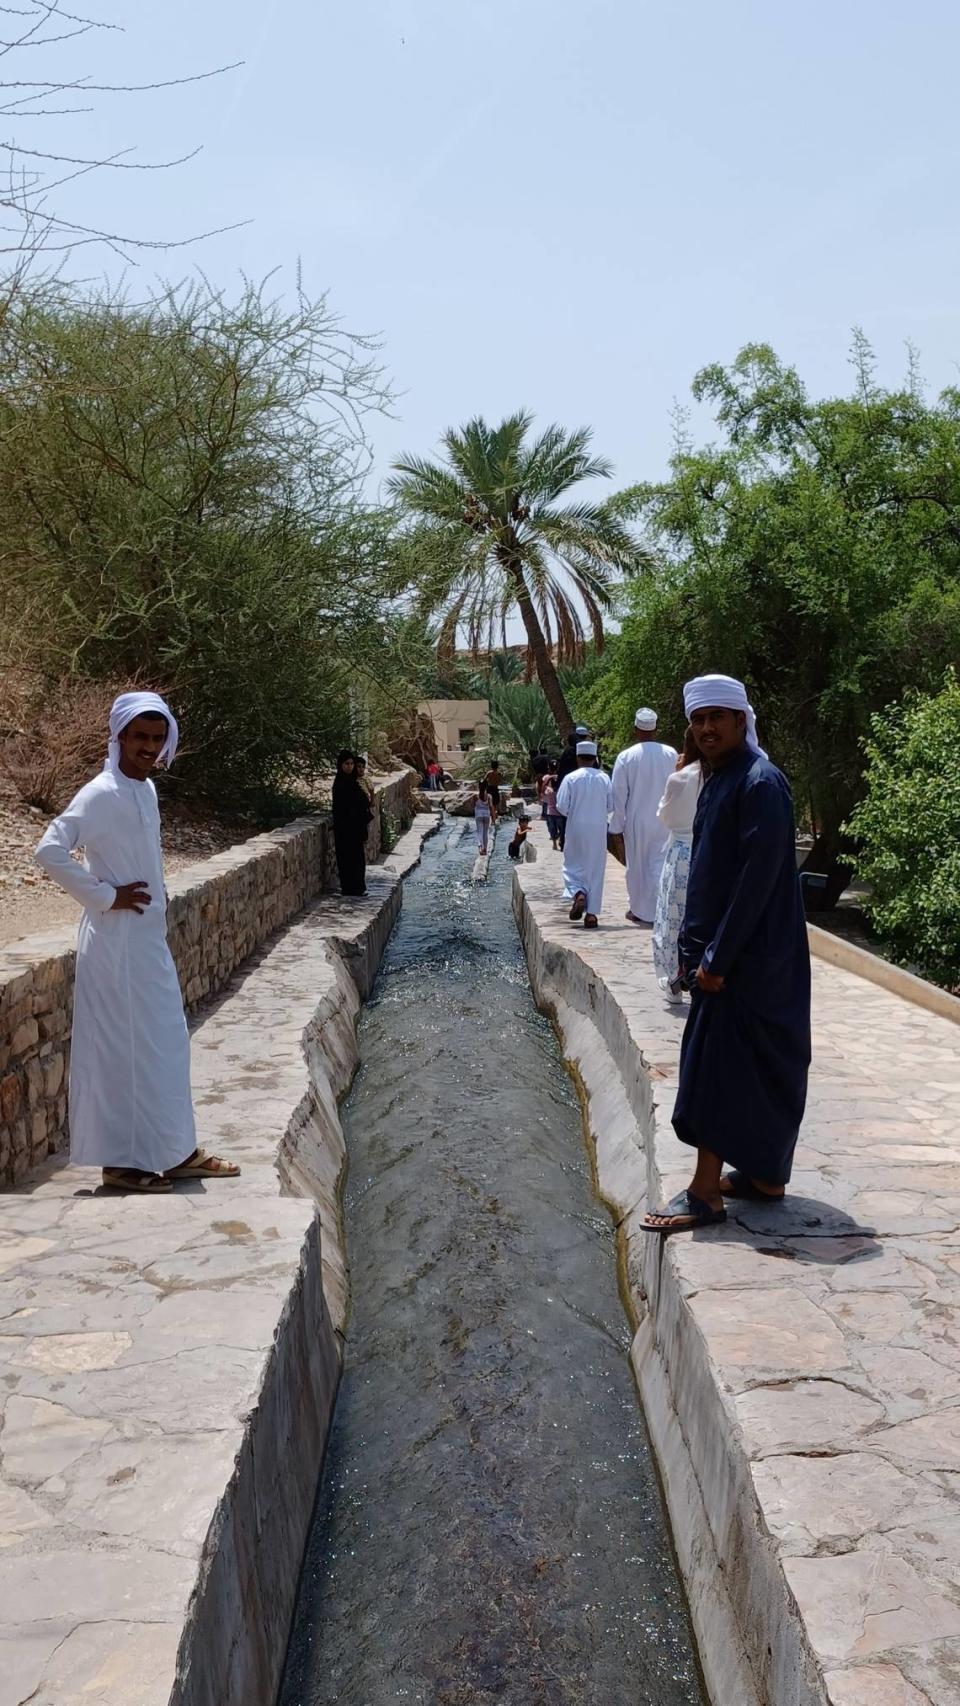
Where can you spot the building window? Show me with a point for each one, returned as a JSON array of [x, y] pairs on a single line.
[[466, 739]]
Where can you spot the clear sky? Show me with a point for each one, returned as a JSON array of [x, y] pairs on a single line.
[[564, 204]]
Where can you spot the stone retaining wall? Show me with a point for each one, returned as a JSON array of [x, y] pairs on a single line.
[[220, 911]]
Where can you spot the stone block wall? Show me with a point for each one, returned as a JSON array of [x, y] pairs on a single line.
[[219, 912]]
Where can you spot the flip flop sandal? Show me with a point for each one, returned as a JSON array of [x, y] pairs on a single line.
[[742, 1186], [204, 1166], [695, 1213], [579, 907], [128, 1179]]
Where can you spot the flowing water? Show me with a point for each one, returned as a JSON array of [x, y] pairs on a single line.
[[489, 1525]]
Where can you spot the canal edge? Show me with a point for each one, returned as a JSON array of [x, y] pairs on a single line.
[[237, 1620], [752, 1644]]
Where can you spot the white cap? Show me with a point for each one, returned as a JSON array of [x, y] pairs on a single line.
[[586, 749], [645, 718]]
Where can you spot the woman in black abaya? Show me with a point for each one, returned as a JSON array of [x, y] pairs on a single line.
[[351, 818]]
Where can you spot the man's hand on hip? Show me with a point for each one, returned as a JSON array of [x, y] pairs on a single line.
[[131, 897]]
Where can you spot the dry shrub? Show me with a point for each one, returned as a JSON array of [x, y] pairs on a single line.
[[18, 690], [53, 736]]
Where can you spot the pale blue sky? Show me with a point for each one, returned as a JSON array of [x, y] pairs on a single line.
[[565, 204]]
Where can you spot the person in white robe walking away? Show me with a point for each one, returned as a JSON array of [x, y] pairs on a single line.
[[639, 777], [676, 812], [584, 800], [130, 1107]]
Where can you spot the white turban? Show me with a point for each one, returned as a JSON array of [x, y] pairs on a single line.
[[586, 749], [645, 718], [130, 705], [726, 692]]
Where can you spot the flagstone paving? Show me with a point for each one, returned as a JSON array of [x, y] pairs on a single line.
[[831, 1324], [169, 1364]]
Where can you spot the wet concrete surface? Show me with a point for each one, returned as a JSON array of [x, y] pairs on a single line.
[[489, 1525]]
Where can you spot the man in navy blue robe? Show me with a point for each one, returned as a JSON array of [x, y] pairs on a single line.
[[743, 947]]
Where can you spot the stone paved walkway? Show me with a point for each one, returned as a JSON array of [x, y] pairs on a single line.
[[832, 1325], [167, 1366]]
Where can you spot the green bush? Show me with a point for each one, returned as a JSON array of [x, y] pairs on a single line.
[[908, 830]]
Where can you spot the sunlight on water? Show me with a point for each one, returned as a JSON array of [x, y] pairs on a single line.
[[489, 1526]]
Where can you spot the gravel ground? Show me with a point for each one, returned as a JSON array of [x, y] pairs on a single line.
[[29, 901]]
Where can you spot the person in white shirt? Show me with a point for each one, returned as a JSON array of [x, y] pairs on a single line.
[[584, 800], [639, 777], [676, 812], [130, 1106]]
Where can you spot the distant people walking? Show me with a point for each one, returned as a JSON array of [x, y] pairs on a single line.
[[494, 782], [746, 1046], [433, 775], [676, 812], [552, 816], [541, 765], [352, 812], [482, 816], [639, 777], [568, 757], [568, 762], [584, 799], [131, 1111]]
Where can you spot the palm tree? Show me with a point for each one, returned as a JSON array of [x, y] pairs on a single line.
[[506, 543]]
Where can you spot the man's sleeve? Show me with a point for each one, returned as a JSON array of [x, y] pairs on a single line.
[[68, 831], [766, 817], [619, 790], [563, 797]]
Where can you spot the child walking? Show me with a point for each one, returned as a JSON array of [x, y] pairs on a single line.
[[481, 815], [550, 812]]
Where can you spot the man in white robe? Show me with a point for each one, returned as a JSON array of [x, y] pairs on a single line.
[[584, 800], [639, 778], [130, 1106]]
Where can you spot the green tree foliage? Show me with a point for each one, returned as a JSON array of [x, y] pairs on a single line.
[[178, 502], [501, 540], [501, 667], [520, 719], [907, 828], [815, 552]]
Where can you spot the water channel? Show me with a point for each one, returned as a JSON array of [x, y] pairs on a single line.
[[489, 1525]]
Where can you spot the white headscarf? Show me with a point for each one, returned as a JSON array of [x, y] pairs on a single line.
[[122, 712], [645, 718], [586, 749], [729, 694]]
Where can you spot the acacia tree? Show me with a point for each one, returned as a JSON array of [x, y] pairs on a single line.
[[36, 215], [179, 499], [497, 538]]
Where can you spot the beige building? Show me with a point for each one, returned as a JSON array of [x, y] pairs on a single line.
[[459, 725]]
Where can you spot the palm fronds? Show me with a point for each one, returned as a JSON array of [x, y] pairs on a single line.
[[512, 546]]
